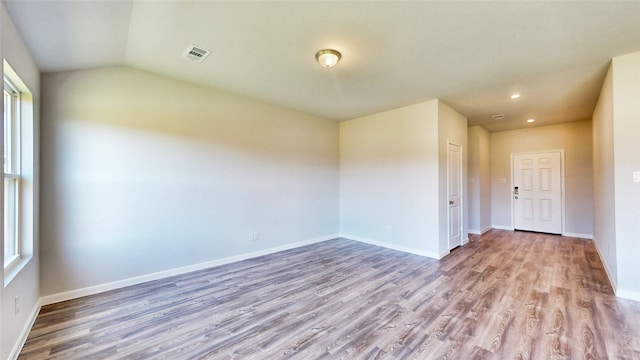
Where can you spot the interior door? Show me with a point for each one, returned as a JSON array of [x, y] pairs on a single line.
[[537, 192], [454, 172]]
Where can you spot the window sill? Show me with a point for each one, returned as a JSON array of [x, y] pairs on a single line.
[[11, 271]]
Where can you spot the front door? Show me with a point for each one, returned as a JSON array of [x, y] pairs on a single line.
[[537, 192], [454, 172]]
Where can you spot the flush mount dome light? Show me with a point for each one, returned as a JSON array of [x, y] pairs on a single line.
[[328, 57]]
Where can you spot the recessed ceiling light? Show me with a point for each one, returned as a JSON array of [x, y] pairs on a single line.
[[328, 57], [515, 96], [531, 120]]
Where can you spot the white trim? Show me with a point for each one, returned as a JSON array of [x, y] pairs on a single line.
[[480, 232], [578, 235], [629, 295], [500, 227], [72, 294], [22, 338], [621, 293], [612, 280], [395, 247], [16, 267]]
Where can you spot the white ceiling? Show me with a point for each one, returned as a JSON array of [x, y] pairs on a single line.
[[472, 55]]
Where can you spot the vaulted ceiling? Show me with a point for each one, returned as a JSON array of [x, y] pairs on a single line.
[[472, 55]]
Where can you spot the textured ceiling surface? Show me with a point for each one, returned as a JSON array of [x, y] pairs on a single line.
[[472, 55]]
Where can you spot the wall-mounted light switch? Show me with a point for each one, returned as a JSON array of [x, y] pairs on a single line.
[[636, 176]]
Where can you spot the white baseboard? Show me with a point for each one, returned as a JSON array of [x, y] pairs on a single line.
[[17, 347], [612, 280], [73, 294], [629, 295], [500, 227], [393, 246], [578, 235], [480, 232]]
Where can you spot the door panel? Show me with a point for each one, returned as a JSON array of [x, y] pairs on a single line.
[[527, 180], [527, 208], [454, 189], [537, 192]]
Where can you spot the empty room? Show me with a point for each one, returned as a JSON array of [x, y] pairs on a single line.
[[320, 179]]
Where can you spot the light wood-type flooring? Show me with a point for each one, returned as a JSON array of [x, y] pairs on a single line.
[[505, 295]]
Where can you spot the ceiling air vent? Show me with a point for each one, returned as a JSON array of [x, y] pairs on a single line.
[[498, 117], [196, 53]]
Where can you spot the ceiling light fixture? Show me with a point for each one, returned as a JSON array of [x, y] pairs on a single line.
[[515, 96], [531, 120], [328, 57]]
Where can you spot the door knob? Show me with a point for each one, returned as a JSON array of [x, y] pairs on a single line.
[[450, 202]]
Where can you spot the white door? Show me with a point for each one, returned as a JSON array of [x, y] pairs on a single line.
[[454, 172], [537, 192]]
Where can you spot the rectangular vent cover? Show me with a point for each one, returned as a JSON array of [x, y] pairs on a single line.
[[498, 117], [196, 53]]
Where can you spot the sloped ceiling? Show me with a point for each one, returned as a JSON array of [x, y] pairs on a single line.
[[472, 55]]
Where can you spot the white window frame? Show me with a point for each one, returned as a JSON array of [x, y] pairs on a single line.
[[12, 174], [20, 177]]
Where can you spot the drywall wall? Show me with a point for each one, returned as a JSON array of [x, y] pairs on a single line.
[[393, 172], [388, 178], [142, 174], [575, 139], [604, 214], [479, 194], [616, 156], [452, 128], [626, 132], [23, 284]]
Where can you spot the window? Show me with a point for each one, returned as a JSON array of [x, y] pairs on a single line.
[[20, 184], [11, 126]]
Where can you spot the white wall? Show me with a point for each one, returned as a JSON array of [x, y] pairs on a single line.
[[575, 139], [604, 214], [14, 327], [142, 174], [626, 135], [479, 194], [390, 190], [388, 187]]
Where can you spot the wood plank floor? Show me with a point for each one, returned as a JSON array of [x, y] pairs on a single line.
[[505, 295]]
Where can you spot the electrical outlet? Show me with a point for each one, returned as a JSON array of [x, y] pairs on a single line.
[[16, 304], [254, 236]]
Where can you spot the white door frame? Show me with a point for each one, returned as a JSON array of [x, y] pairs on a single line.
[[460, 178], [562, 195]]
